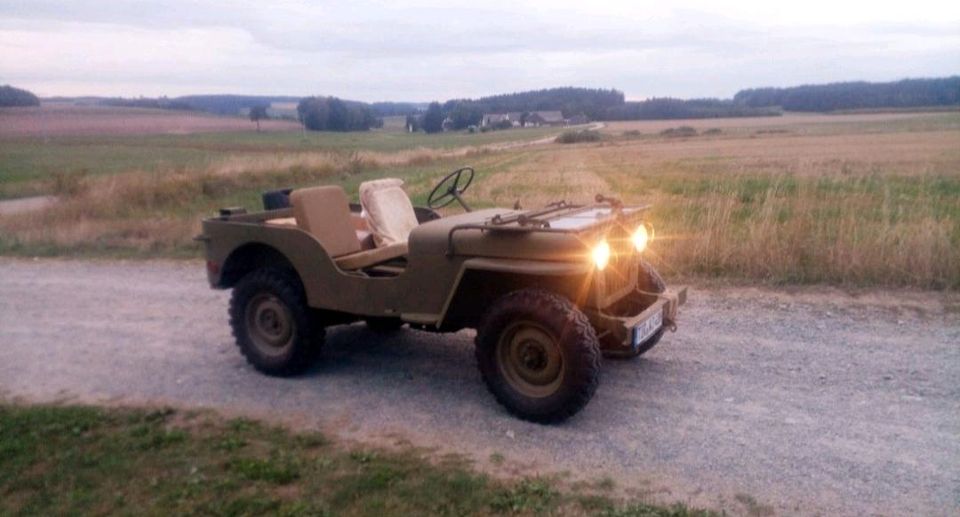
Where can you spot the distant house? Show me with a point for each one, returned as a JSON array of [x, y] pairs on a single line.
[[493, 119], [524, 119], [544, 118], [577, 120]]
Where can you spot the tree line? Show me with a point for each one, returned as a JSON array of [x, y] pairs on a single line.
[[333, 114], [907, 93], [10, 96], [147, 102], [463, 113]]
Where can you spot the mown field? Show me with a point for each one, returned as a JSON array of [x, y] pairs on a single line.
[[89, 461], [860, 199]]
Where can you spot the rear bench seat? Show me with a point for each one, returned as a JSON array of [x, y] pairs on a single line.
[[324, 212], [359, 224]]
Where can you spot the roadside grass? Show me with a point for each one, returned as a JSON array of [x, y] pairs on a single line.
[[141, 214], [57, 460], [865, 200], [870, 230]]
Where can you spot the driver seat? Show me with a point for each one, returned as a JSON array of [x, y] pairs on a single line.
[[388, 211]]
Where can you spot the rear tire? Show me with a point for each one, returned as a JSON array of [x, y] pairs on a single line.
[[649, 280], [538, 355], [272, 324]]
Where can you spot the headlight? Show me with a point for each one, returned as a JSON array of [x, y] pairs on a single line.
[[601, 254], [640, 238]]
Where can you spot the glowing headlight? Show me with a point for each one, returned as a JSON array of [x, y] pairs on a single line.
[[601, 254], [640, 238]]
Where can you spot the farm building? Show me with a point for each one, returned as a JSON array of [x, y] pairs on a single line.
[[544, 118], [492, 119], [525, 119]]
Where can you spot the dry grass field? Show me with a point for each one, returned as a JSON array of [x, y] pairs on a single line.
[[862, 199]]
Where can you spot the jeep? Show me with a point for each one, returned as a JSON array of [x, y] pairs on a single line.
[[548, 290]]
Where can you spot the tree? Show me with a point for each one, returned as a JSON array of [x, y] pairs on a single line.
[[10, 96], [333, 114], [464, 114], [258, 113], [338, 119], [433, 118]]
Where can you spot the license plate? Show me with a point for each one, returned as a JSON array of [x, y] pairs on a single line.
[[646, 328]]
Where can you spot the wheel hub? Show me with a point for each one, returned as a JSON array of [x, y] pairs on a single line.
[[530, 359], [269, 324]]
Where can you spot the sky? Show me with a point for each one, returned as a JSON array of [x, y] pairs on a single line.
[[438, 50]]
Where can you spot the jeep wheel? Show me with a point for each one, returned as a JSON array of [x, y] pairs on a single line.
[[272, 323], [538, 355], [648, 280]]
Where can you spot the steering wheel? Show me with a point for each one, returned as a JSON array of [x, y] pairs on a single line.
[[450, 188]]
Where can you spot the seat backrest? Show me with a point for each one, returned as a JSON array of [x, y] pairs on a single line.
[[324, 212], [389, 212]]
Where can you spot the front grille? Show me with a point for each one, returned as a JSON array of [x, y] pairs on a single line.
[[620, 275]]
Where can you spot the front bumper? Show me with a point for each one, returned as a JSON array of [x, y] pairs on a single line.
[[615, 330]]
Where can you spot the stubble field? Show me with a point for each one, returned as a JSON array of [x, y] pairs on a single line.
[[864, 199]]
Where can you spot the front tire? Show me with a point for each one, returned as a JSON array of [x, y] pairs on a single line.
[[538, 355], [272, 323]]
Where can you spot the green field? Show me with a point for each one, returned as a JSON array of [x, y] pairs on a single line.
[[28, 164], [861, 199], [90, 461]]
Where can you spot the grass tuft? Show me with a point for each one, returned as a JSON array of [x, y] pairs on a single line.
[[576, 137]]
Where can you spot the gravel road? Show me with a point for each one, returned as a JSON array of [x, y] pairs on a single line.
[[802, 402]]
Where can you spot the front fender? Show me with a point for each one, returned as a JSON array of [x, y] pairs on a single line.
[[481, 281]]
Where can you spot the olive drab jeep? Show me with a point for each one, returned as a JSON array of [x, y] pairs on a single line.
[[548, 290]]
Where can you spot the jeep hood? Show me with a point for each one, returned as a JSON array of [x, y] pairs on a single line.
[[562, 234]]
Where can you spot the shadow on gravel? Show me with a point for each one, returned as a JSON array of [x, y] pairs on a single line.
[[435, 372]]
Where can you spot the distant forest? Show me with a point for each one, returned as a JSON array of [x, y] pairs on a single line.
[[147, 102], [908, 93], [332, 114], [10, 96], [667, 108]]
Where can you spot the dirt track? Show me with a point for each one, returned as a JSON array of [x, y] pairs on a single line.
[[810, 402]]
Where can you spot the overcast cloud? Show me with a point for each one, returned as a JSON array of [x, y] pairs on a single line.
[[427, 50]]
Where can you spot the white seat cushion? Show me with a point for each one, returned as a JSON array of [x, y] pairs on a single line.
[[389, 213]]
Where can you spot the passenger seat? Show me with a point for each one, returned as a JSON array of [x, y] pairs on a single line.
[[388, 210]]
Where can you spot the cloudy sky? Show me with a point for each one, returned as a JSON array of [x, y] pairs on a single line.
[[426, 50]]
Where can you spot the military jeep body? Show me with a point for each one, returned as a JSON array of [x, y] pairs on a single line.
[[548, 290]]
